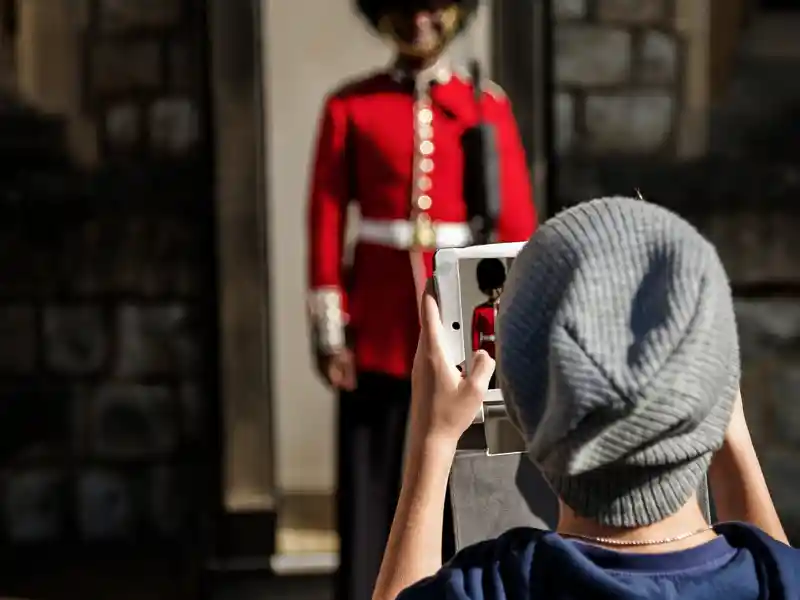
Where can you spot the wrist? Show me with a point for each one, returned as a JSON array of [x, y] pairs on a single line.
[[431, 450]]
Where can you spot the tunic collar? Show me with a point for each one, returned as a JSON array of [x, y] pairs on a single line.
[[441, 72]]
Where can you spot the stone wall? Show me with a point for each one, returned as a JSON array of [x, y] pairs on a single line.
[[620, 69], [617, 68], [107, 306]]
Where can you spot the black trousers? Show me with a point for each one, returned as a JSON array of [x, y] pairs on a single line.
[[372, 430]]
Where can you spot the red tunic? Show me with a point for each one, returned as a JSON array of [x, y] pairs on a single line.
[[376, 147], [483, 327]]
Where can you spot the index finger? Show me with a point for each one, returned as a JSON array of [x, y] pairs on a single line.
[[430, 316]]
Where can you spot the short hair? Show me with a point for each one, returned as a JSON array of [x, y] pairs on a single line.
[[374, 10], [491, 274]]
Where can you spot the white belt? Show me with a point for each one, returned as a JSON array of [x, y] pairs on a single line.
[[399, 233], [486, 338]]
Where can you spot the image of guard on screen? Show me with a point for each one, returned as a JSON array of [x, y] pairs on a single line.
[[491, 275]]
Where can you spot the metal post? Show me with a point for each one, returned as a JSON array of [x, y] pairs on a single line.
[[522, 52], [544, 172]]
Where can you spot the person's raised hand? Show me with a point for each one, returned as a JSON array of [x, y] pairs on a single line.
[[443, 401]]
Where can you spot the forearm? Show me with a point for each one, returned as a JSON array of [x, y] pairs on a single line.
[[739, 489], [414, 549]]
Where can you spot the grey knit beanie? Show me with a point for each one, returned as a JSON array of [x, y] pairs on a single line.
[[618, 358]]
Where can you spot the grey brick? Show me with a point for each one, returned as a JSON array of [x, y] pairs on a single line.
[[769, 337], [34, 506], [631, 11], [757, 247], [659, 58], [570, 9], [768, 328], [158, 340], [587, 55], [785, 402], [106, 506], [123, 125], [128, 421], [629, 122], [120, 15], [782, 472], [76, 340], [565, 122], [17, 339], [174, 125]]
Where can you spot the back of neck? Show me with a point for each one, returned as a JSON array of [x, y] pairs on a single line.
[[688, 519]]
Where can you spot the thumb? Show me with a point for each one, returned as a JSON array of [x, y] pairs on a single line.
[[482, 370]]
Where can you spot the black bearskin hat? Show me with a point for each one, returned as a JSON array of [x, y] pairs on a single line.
[[374, 10], [491, 274]]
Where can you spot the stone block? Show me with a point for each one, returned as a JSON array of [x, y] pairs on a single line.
[[123, 126], [565, 122], [119, 66], [757, 246], [659, 58], [75, 339], [158, 340], [636, 122], [565, 10], [106, 506], [785, 392], [768, 328], [18, 339], [34, 506], [132, 421], [587, 55], [174, 125], [782, 472], [122, 15], [769, 337], [631, 11]]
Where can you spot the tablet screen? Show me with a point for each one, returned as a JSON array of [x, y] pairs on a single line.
[[481, 283]]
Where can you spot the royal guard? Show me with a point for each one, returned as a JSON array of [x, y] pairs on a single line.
[[393, 142], [491, 276]]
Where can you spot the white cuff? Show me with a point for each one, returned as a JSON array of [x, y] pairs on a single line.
[[325, 305]]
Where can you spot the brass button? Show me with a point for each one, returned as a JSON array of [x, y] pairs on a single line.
[[425, 116], [426, 148], [426, 165], [424, 183], [424, 202]]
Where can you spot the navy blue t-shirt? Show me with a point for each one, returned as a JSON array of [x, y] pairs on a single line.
[[743, 563]]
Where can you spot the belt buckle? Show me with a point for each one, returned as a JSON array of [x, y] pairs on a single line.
[[424, 234]]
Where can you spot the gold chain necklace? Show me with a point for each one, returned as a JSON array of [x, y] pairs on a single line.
[[612, 542]]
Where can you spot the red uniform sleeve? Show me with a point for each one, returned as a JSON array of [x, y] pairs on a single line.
[[330, 195], [517, 220]]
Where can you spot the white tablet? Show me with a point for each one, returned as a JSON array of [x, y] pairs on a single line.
[[469, 284]]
